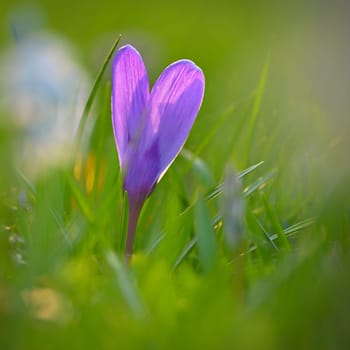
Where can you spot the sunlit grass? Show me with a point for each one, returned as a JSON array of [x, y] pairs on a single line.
[[284, 284]]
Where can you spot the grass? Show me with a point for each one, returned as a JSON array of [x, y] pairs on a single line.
[[283, 284]]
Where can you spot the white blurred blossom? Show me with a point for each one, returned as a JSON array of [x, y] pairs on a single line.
[[43, 90], [232, 208]]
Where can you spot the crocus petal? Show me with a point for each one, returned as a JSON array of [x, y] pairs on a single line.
[[141, 173], [174, 104], [130, 92]]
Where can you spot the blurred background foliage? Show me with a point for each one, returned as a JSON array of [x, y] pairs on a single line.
[[277, 92]]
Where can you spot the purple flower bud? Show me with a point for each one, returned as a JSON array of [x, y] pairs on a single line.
[[150, 127]]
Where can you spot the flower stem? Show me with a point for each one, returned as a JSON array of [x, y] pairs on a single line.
[[134, 213]]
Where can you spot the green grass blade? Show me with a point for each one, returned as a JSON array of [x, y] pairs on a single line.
[[62, 227], [267, 236], [80, 198], [28, 184], [256, 108], [259, 184], [126, 285], [155, 243], [94, 89], [249, 169], [302, 225], [189, 246], [219, 188], [214, 130], [200, 168], [210, 135], [276, 225], [124, 223]]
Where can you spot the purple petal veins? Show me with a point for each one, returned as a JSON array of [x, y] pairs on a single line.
[[174, 103], [130, 94], [151, 128]]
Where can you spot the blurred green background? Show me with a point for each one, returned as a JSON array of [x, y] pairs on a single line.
[[277, 90]]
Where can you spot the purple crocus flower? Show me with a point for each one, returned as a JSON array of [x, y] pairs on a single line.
[[150, 127]]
